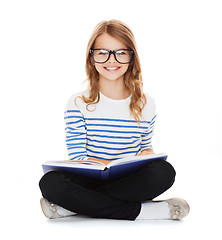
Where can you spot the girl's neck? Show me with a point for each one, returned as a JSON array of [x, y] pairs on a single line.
[[115, 89]]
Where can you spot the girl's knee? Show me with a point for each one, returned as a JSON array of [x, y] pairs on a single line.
[[165, 171], [49, 179], [168, 173], [169, 169], [51, 186]]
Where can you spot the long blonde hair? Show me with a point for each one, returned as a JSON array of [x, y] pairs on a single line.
[[132, 78]]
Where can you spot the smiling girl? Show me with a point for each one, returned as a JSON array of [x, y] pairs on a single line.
[[111, 119]]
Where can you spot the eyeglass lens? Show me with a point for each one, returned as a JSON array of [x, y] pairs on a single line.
[[102, 55]]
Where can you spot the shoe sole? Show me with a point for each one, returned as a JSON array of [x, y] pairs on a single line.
[[42, 204]]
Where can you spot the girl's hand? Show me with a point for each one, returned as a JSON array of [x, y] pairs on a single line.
[[106, 162], [146, 152]]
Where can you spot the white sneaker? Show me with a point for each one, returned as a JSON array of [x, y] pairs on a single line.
[[179, 208], [52, 210]]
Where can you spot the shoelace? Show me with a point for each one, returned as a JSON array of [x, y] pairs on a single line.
[[178, 211], [53, 207]]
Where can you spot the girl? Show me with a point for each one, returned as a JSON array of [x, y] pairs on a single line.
[[111, 119]]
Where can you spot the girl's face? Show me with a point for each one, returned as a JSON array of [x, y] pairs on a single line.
[[110, 70]]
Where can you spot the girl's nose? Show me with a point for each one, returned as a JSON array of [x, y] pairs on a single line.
[[112, 59]]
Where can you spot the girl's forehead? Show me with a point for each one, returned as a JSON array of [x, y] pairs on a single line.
[[108, 42]]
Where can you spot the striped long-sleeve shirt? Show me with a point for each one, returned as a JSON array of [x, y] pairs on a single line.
[[108, 132]]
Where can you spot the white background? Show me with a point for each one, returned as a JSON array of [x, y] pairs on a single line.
[[42, 62]]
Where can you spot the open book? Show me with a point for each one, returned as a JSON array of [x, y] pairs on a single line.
[[95, 169]]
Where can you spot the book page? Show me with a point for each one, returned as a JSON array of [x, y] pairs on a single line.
[[134, 158], [70, 163]]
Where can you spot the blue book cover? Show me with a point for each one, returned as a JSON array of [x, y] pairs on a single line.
[[95, 169]]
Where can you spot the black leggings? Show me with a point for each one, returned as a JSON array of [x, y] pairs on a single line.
[[116, 199]]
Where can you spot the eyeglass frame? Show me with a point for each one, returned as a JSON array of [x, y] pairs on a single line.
[[111, 52]]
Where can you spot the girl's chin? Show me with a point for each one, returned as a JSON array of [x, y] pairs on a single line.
[[110, 78]]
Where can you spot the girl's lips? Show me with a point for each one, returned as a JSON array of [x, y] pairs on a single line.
[[111, 69]]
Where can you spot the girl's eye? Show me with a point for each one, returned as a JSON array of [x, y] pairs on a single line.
[[103, 52], [121, 52]]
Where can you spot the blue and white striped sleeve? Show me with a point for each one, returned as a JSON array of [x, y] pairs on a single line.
[[75, 131], [150, 114]]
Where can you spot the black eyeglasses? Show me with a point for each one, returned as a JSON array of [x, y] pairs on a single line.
[[122, 56]]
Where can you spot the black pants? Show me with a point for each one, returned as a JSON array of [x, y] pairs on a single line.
[[117, 199]]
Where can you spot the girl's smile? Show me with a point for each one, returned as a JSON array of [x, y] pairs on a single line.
[[112, 68]]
